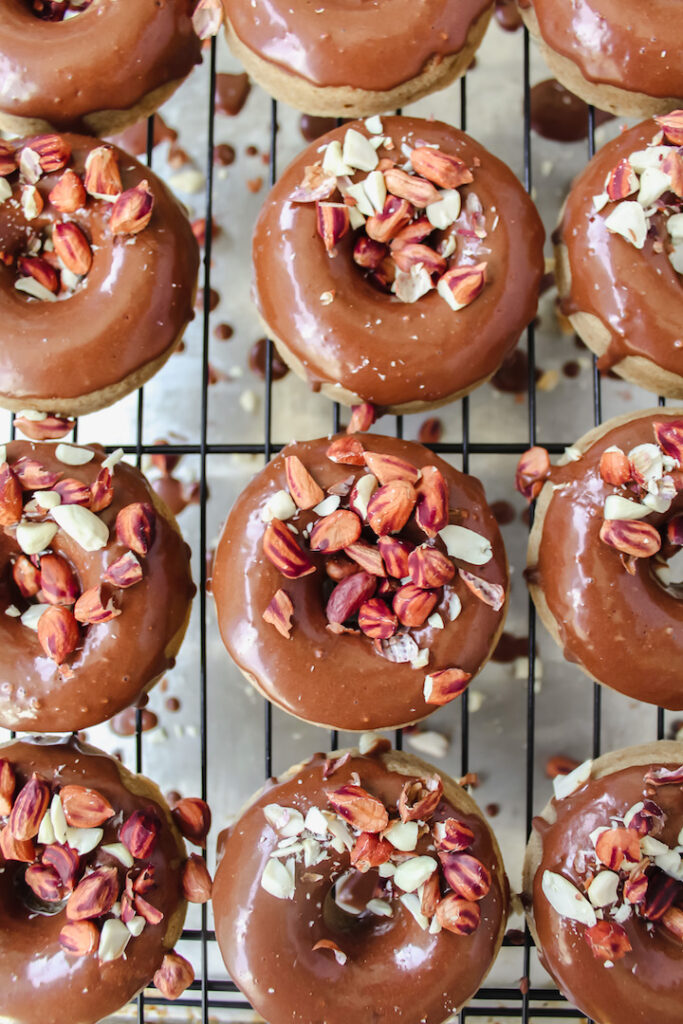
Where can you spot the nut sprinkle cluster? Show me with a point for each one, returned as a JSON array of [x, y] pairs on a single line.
[[382, 584], [413, 232], [35, 505], [646, 480], [55, 254], [654, 178], [628, 873], [104, 890], [421, 858]]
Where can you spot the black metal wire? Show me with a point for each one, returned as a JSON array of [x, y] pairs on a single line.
[[206, 994]]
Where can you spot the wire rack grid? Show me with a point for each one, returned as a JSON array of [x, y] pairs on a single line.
[[523, 1003]]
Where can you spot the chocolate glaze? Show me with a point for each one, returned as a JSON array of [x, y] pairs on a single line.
[[647, 983], [636, 293], [107, 58], [394, 971], [116, 660], [128, 311], [626, 631], [386, 351], [617, 42], [342, 681], [42, 984], [375, 46]]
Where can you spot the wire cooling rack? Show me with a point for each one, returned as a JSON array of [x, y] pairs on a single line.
[[208, 996]]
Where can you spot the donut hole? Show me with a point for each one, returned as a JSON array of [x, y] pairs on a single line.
[[39, 274], [345, 905], [26, 896], [57, 10]]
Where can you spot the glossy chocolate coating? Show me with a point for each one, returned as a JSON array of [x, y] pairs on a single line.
[[626, 631], [342, 681], [636, 293], [394, 971], [622, 43], [128, 311], [374, 46], [107, 58], [387, 351], [117, 660], [647, 983], [42, 983]]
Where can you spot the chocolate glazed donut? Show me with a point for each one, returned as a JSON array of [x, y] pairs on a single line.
[[412, 306], [95, 586], [603, 889], [100, 71], [619, 255], [98, 271], [607, 520], [386, 599], [92, 885], [353, 59], [616, 54], [381, 878]]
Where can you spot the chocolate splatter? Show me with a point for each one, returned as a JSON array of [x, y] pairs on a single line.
[[223, 154], [257, 361], [223, 332], [513, 375], [559, 115], [510, 647], [123, 724], [214, 299], [503, 512], [231, 93], [313, 127], [571, 368]]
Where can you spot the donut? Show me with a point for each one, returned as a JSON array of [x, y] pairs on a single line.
[[603, 885], [98, 272], [612, 53], [608, 520], [95, 66], [389, 308], [381, 876], [360, 584], [343, 60], [94, 884], [619, 255], [95, 586]]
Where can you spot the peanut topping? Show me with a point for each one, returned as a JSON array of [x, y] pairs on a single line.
[[627, 874], [377, 583], [395, 212]]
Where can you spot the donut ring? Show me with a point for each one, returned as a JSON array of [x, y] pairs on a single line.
[[627, 303], [350, 60], [338, 325], [85, 846], [99, 560], [352, 957], [626, 966], [367, 647], [608, 54], [61, 74], [591, 572], [114, 295]]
